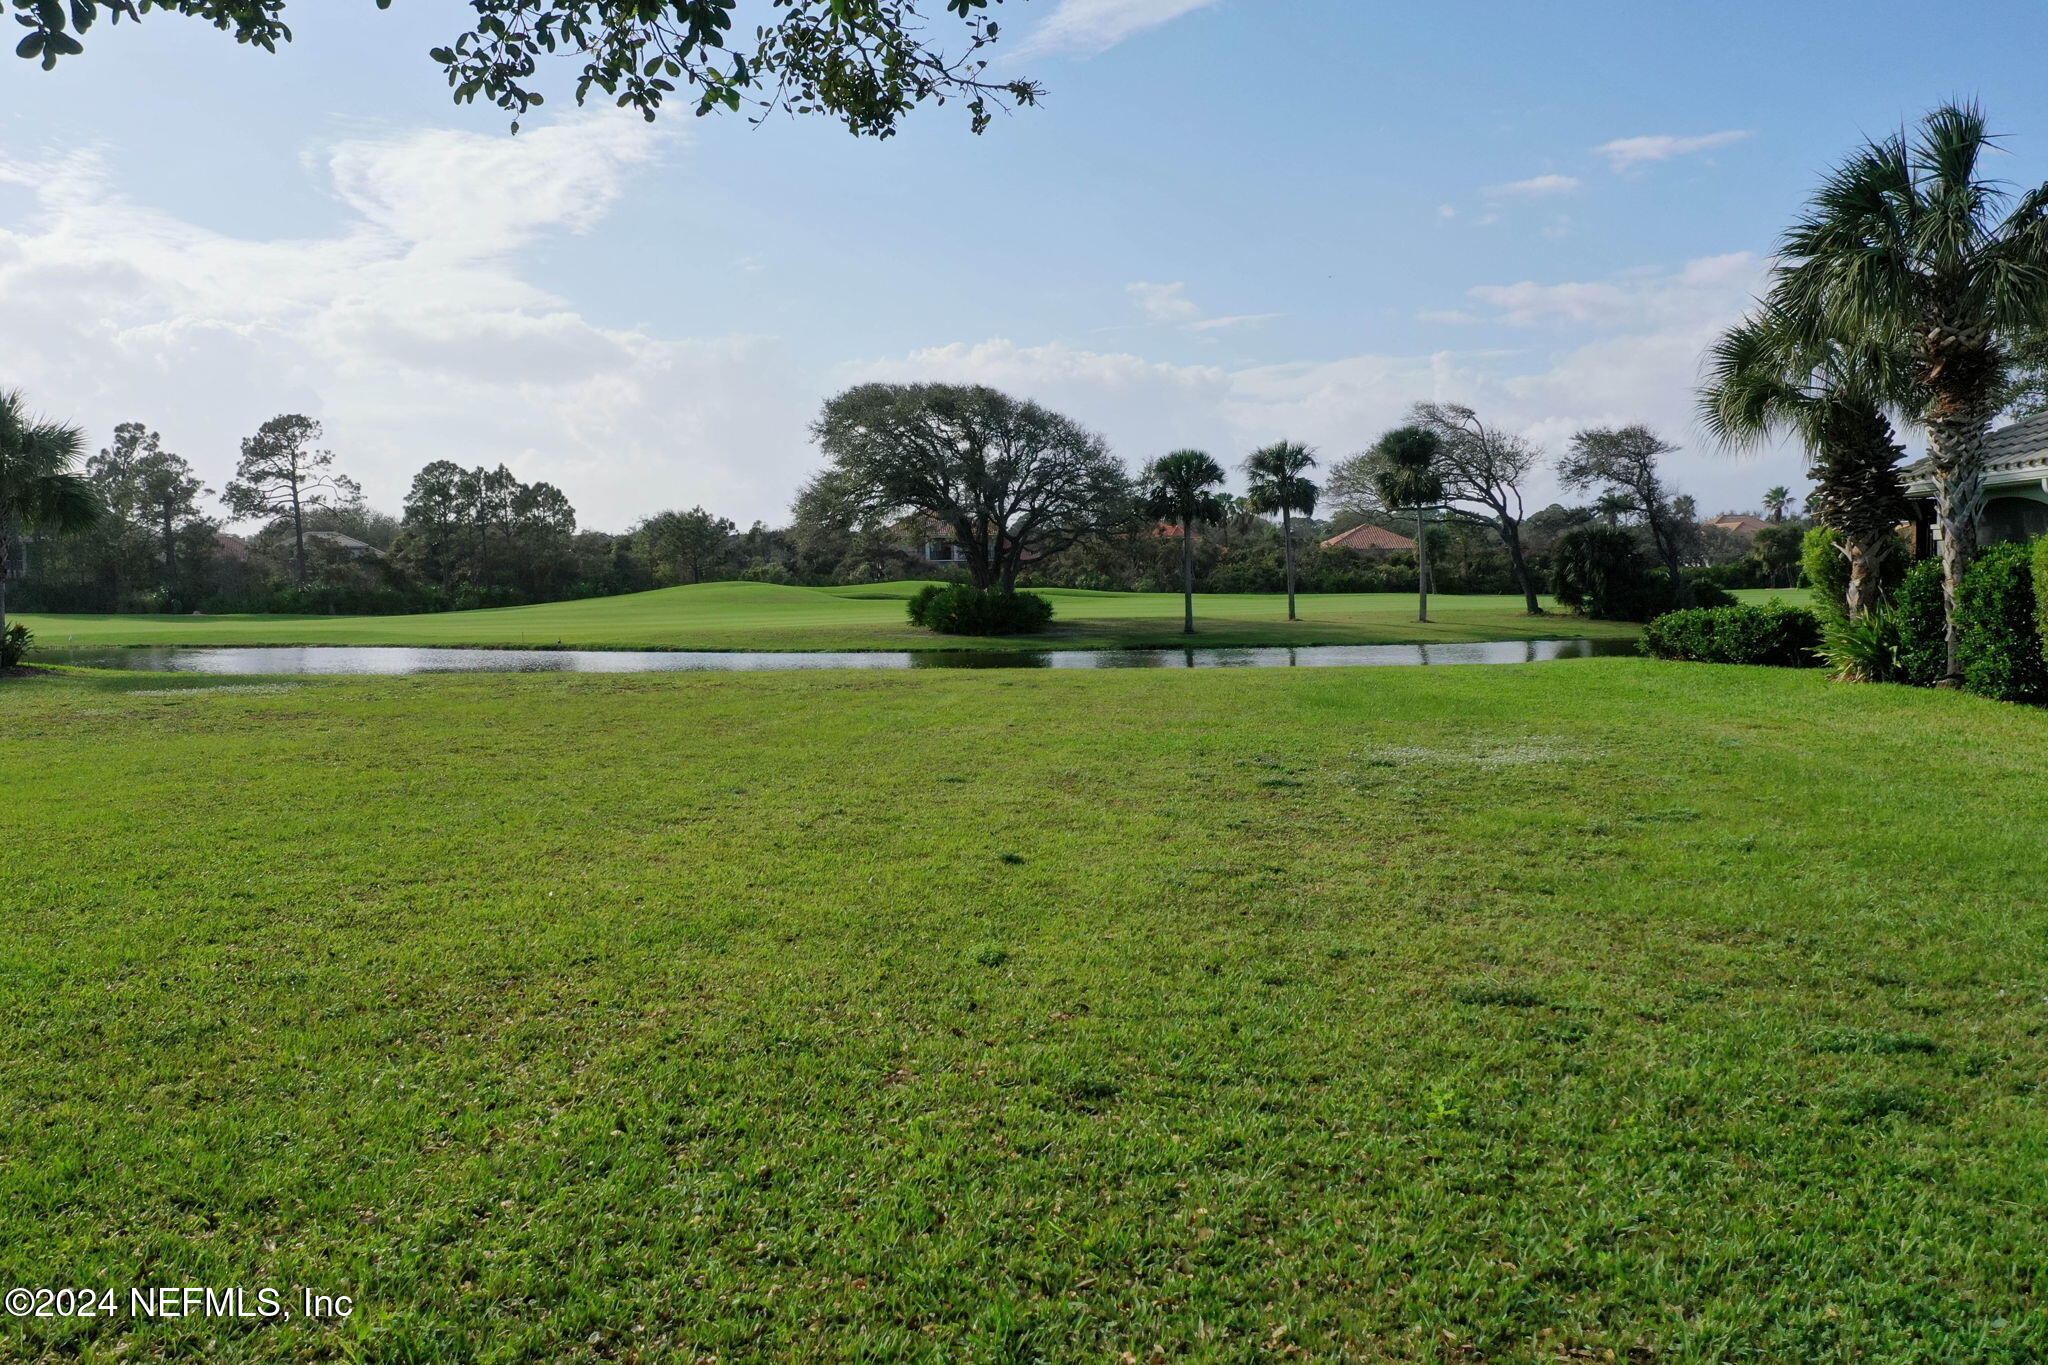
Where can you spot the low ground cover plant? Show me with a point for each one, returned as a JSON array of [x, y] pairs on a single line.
[[963, 609], [1787, 637]]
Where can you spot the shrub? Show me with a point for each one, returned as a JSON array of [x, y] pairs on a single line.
[[1707, 593], [1921, 618], [1599, 571], [1865, 649], [1995, 617], [771, 572], [15, 645], [1827, 572], [962, 609], [1783, 636], [2041, 589]]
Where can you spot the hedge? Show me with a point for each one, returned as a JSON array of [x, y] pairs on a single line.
[[1787, 637], [1997, 620], [962, 609]]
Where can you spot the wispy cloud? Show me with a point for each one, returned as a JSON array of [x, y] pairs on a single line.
[[1164, 302], [1169, 305], [1090, 26], [1627, 153], [1535, 187]]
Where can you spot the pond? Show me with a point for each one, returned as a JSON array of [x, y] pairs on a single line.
[[393, 659]]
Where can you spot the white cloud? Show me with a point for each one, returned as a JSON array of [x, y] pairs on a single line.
[[1164, 302], [1169, 305], [1535, 187], [1446, 211], [1089, 26], [1627, 153], [408, 330], [1710, 287]]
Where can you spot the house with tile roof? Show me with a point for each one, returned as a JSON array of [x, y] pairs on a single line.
[[1371, 540]]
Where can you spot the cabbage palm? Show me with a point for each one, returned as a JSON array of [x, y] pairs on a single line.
[[1907, 245], [1279, 482], [1407, 477], [1776, 500], [1763, 379], [40, 489], [1179, 490]]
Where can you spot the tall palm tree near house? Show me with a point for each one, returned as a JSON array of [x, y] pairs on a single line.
[[40, 489], [1776, 500], [1179, 490], [1763, 379], [1279, 482], [1908, 245], [1406, 477]]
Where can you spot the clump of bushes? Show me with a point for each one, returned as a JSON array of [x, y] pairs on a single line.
[[1599, 571], [14, 645], [1997, 620], [1920, 617], [1787, 637], [963, 609]]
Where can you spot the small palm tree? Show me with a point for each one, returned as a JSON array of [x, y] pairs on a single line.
[[1776, 500], [1907, 245], [1279, 483], [1612, 507], [1178, 489], [40, 489], [1406, 475], [1764, 378]]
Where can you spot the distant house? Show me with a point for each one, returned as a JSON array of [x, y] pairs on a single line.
[[1742, 523], [346, 546], [1371, 540]]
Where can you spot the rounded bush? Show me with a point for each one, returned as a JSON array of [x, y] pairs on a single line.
[[963, 609], [2000, 637], [1921, 618], [1827, 571], [1786, 637]]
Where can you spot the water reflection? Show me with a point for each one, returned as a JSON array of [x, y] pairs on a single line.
[[401, 660]]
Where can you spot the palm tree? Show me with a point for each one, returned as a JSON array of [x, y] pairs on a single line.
[[1776, 500], [1612, 507], [1905, 245], [1279, 483], [39, 489], [1763, 379], [1177, 490], [1405, 475]]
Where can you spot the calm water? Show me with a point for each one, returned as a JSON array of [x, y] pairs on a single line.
[[397, 659]]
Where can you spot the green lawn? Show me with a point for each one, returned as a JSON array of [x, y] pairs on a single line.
[[762, 616], [1593, 1010]]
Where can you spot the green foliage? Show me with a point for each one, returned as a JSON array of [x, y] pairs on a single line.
[[1708, 593], [2041, 588], [865, 62], [963, 609], [1865, 649], [1996, 618], [1785, 637], [1599, 571], [1920, 615], [15, 642], [1827, 571]]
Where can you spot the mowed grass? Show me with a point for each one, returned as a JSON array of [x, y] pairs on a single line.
[[765, 616], [1519, 1014]]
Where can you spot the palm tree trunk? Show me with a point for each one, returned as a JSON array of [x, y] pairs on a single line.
[[1955, 451], [1187, 575], [1287, 548], [1421, 565]]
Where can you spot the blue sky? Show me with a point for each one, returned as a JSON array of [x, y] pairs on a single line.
[[1232, 221]]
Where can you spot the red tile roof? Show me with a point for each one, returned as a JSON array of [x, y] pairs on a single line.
[[1369, 540]]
